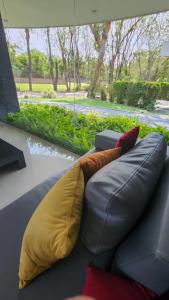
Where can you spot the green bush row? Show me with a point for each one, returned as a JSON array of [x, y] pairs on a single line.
[[141, 94], [74, 131]]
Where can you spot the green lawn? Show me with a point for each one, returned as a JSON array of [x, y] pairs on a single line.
[[24, 87], [92, 103], [99, 103]]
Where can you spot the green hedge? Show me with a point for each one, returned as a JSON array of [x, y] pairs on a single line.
[[74, 131], [140, 94]]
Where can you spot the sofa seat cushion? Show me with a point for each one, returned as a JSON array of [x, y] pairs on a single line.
[[118, 193], [144, 255], [56, 283]]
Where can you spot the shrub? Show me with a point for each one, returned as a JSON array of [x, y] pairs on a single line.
[[103, 93], [142, 94], [164, 91], [85, 88], [49, 94], [117, 91], [74, 131], [134, 94]]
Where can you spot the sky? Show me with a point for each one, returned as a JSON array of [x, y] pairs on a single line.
[[36, 41]]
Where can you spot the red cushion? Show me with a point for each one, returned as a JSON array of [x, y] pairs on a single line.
[[105, 286], [128, 140]]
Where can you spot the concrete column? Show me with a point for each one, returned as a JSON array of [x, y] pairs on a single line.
[[8, 95]]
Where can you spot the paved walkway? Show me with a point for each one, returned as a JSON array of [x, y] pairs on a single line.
[[149, 118], [43, 159]]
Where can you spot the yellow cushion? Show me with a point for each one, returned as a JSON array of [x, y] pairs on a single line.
[[53, 229]]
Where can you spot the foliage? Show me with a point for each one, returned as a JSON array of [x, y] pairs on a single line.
[[49, 94], [164, 90], [140, 94], [131, 51], [74, 131], [117, 91], [103, 93], [40, 66]]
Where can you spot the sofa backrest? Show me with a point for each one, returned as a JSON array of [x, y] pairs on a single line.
[[144, 255], [117, 194]]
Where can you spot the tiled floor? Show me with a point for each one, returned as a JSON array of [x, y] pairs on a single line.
[[42, 160]]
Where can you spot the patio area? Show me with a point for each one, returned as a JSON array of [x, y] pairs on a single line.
[[42, 160]]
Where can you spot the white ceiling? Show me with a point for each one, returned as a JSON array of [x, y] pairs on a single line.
[[44, 13]]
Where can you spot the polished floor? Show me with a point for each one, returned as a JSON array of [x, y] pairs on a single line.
[[42, 159]]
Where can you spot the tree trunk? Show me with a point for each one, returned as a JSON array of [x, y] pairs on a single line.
[[51, 63], [56, 74], [100, 41], [61, 40], [77, 70], [140, 66], [66, 75], [111, 68], [95, 80], [27, 35]]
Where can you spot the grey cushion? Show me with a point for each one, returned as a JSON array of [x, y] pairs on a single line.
[[118, 193], [106, 139], [144, 256]]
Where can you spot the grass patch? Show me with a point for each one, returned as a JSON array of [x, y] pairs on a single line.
[[100, 104], [45, 87], [91, 103], [74, 131]]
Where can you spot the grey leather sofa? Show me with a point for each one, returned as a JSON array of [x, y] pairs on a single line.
[[143, 255]]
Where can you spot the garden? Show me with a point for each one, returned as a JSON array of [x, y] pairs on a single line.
[[139, 96], [74, 131], [114, 65]]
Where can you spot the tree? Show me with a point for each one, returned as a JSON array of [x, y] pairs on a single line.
[[124, 36], [100, 33], [13, 57], [63, 38], [97, 53], [88, 53], [75, 55], [40, 68], [53, 64], [147, 63], [27, 36]]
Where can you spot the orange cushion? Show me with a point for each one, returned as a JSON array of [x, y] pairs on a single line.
[[91, 163]]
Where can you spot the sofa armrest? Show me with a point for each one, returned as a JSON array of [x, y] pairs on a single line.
[[106, 139]]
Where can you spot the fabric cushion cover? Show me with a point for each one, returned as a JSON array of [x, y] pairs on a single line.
[[91, 163], [102, 285], [118, 193], [144, 255], [53, 229], [51, 283], [128, 140]]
